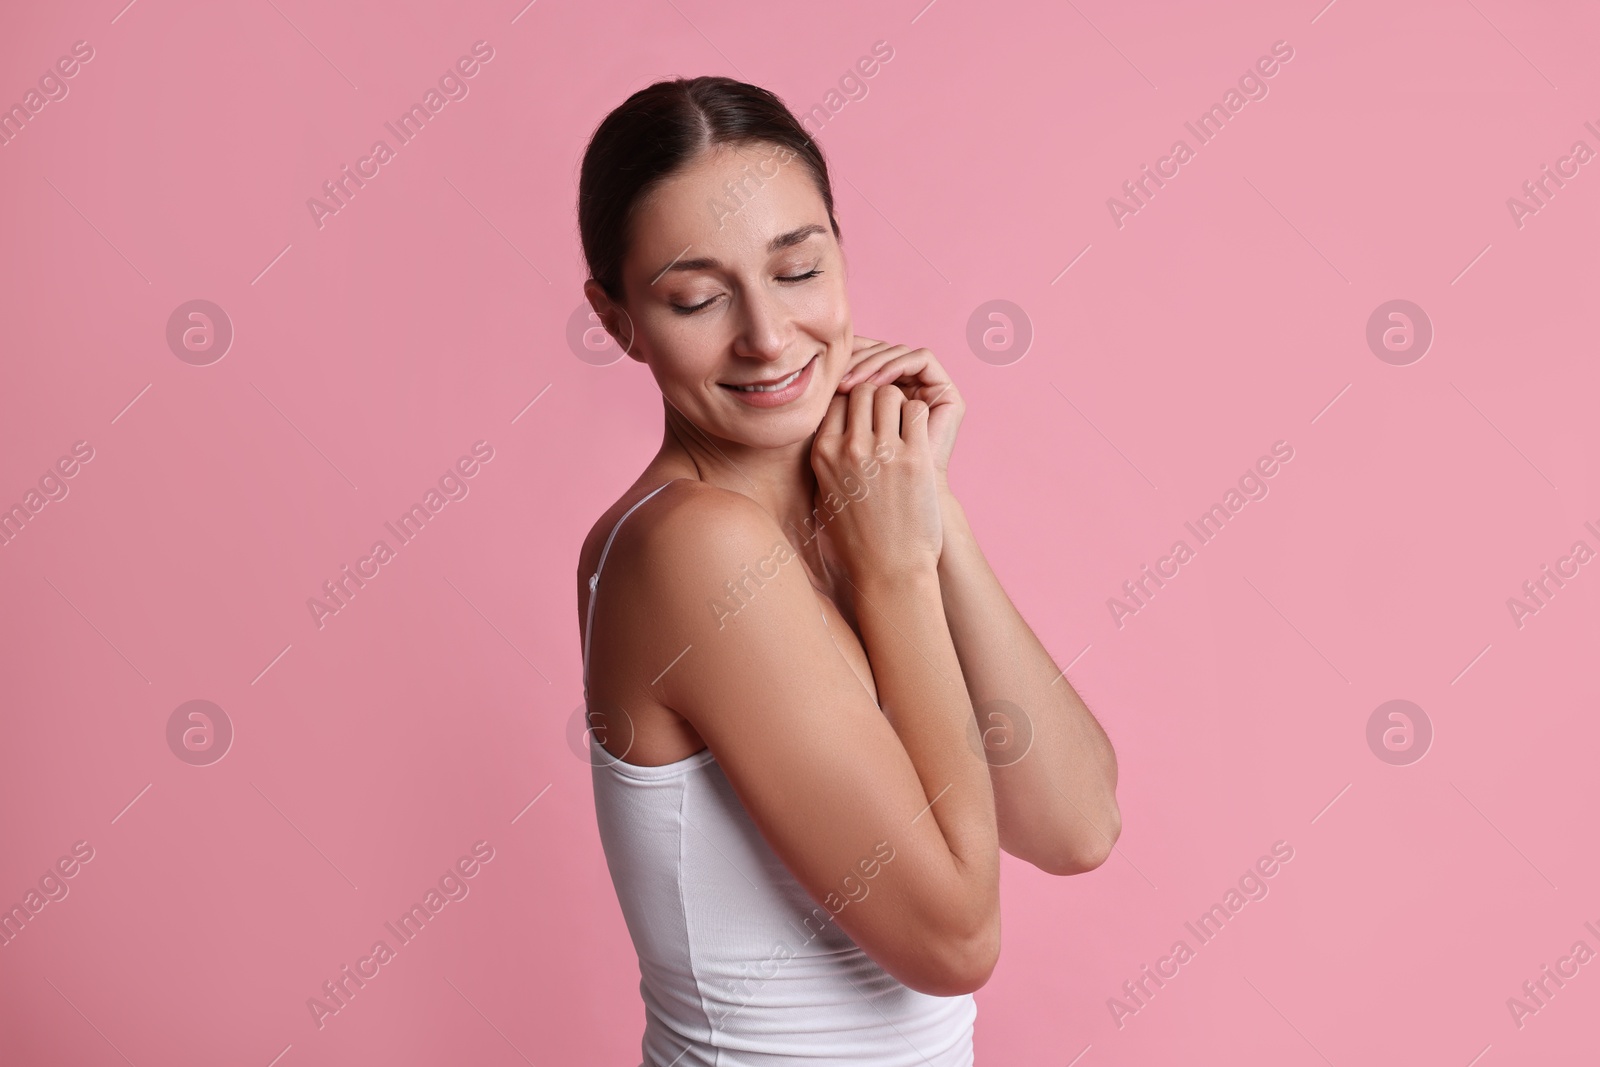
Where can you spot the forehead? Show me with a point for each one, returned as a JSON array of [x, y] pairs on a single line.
[[727, 204]]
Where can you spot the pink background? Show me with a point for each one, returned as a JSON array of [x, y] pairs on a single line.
[[369, 354]]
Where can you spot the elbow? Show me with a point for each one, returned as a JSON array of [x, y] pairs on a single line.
[[1082, 856], [967, 963]]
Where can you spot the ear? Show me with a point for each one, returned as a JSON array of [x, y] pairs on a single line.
[[614, 317]]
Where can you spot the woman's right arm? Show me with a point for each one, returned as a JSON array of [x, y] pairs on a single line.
[[832, 783]]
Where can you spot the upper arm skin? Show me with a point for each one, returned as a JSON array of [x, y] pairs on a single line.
[[816, 764]]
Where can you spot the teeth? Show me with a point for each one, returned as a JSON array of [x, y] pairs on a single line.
[[769, 388]]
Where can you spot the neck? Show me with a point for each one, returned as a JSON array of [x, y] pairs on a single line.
[[780, 479]]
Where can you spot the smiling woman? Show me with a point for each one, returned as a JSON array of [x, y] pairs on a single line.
[[763, 751]]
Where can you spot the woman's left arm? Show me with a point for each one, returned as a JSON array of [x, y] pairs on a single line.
[[1052, 767]]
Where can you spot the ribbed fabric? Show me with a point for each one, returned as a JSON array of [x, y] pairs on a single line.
[[738, 966]]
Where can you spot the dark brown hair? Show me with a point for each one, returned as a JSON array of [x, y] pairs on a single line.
[[657, 131]]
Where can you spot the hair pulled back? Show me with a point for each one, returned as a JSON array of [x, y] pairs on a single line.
[[659, 130]]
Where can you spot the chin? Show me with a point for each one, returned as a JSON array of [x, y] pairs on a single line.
[[766, 430], [769, 429]]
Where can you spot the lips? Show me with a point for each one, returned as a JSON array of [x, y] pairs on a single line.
[[777, 391], [765, 381], [768, 384]]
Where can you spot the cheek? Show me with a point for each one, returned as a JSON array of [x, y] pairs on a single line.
[[825, 311], [684, 362]]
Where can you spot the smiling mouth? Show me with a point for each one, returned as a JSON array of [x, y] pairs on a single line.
[[771, 386]]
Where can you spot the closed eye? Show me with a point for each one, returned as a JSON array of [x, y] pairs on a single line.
[[793, 278]]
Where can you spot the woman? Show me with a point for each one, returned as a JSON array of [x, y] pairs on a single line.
[[781, 664]]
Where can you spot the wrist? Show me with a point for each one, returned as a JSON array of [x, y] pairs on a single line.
[[955, 531], [947, 497], [904, 575]]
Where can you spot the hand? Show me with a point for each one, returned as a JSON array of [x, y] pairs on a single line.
[[921, 377], [877, 494]]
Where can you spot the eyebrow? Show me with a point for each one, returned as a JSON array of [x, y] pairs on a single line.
[[777, 244]]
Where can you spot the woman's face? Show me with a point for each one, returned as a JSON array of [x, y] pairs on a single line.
[[734, 278]]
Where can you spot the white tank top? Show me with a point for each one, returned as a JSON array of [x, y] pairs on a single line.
[[738, 965]]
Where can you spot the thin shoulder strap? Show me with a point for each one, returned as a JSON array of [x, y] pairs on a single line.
[[594, 579]]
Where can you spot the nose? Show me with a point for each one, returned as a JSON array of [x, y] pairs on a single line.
[[763, 326]]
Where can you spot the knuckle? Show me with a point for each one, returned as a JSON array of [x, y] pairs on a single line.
[[855, 451]]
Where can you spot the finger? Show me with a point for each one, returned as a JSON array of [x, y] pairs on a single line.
[[920, 414], [903, 370], [833, 420], [921, 381], [887, 403], [863, 352], [858, 422], [919, 366], [868, 362], [914, 428]]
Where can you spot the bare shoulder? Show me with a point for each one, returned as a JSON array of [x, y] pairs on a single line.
[[656, 569], [664, 590], [720, 615], [685, 515], [689, 531], [677, 547]]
